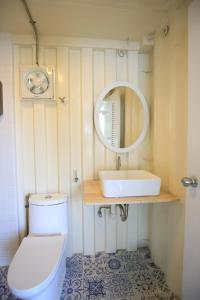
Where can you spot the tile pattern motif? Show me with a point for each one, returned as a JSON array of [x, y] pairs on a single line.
[[124, 275]]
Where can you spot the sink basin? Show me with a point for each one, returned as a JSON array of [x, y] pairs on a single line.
[[127, 183]]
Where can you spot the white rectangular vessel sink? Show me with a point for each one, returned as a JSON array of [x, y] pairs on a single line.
[[127, 183]]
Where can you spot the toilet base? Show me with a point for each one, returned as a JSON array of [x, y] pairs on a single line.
[[54, 289]]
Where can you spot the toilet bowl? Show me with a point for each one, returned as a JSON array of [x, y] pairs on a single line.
[[38, 268]]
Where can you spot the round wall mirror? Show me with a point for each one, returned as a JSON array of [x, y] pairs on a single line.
[[121, 117]]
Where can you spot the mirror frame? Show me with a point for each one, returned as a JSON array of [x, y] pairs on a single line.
[[144, 103]]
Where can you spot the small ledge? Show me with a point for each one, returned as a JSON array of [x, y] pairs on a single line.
[[92, 196]]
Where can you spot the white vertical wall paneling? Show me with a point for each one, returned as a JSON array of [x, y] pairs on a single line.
[[64, 174], [110, 76], [19, 148], [122, 226], [60, 138], [51, 131], [122, 75], [26, 58], [63, 120], [8, 188], [133, 57], [144, 81], [40, 148], [87, 143], [133, 160], [28, 148], [143, 213], [99, 150], [40, 140], [75, 143], [99, 84], [159, 249], [27, 135], [110, 157]]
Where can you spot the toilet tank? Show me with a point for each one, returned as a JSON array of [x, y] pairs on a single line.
[[48, 214]]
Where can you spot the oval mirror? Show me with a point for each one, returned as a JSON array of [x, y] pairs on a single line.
[[121, 117]]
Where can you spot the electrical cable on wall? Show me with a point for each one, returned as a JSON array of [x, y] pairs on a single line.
[[33, 23]]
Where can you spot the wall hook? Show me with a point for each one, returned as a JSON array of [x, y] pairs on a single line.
[[62, 99], [76, 179]]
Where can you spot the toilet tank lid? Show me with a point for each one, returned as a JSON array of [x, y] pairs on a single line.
[[47, 199]]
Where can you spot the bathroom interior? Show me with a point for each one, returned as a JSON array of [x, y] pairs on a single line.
[[114, 62]]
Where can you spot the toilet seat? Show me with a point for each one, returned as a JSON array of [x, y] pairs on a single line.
[[35, 264]]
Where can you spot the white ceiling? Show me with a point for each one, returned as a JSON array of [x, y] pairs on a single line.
[[107, 19]]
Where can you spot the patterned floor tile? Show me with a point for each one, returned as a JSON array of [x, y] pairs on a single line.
[[5, 293], [74, 266], [124, 275], [95, 264], [94, 288], [72, 289]]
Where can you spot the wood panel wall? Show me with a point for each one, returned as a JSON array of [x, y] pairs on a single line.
[[55, 140], [170, 145]]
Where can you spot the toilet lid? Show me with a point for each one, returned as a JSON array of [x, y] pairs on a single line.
[[35, 263]]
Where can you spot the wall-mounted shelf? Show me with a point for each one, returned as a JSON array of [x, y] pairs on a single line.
[[92, 196]]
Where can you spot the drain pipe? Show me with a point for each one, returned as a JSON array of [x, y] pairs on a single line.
[[99, 212], [33, 23], [27, 212], [123, 211]]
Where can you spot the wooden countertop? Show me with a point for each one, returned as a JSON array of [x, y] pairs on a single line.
[[92, 196]]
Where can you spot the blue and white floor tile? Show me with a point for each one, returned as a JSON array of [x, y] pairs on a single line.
[[124, 275]]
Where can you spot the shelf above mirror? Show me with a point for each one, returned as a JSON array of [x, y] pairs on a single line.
[[92, 196]]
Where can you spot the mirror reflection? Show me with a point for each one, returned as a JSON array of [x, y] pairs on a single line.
[[121, 117]]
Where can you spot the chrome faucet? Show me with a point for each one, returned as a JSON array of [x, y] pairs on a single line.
[[118, 162]]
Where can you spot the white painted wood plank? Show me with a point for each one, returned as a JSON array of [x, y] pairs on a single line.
[[28, 147], [111, 230], [50, 58], [122, 226], [63, 120], [75, 126], [19, 149], [87, 113], [133, 70], [132, 227], [64, 174], [98, 70], [77, 42], [87, 143], [110, 157], [110, 76], [40, 138], [122, 231], [143, 225], [27, 136], [26, 56], [122, 75], [88, 219], [145, 84], [52, 147], [40, 148], [99, 231], [98, 86], [133, 160]]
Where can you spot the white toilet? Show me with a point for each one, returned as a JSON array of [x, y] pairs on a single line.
[[38, 268]]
